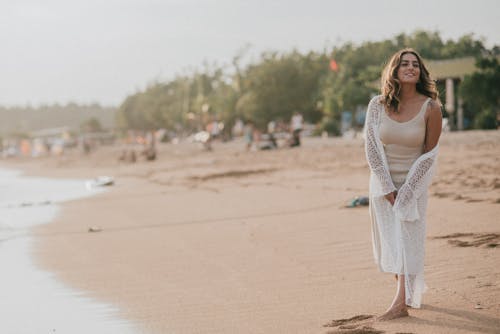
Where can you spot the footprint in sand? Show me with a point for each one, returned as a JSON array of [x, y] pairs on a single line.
[[495, 183], [353, 320], [489, 240], [232, 174], [354, 325], [442, 194], [360, 330]]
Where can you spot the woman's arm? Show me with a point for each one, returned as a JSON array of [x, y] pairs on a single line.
[[433, 124], [374, 151]]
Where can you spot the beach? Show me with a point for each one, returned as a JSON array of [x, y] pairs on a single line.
[[229, 241]]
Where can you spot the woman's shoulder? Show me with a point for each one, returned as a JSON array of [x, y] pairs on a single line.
[[375, 103], [435, 103], [377, 99], [434, 107]]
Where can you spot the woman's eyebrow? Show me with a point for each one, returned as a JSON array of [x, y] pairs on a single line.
[[414, 62]]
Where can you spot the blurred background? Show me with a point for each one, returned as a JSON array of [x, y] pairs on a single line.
[[89, 73]]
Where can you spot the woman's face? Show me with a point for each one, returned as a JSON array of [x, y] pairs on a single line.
[[409, 69]]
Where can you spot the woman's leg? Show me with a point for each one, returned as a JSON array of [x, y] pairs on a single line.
[[398, 307]]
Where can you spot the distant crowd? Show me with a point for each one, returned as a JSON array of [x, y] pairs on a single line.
[[136, 144]]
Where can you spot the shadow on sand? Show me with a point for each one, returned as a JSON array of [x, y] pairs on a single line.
[[460, 320]]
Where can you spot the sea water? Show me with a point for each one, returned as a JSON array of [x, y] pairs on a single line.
[[31, 299]]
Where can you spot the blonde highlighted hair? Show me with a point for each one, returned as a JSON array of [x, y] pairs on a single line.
[[391, 87]]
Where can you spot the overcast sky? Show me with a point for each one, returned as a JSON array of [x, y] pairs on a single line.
[[100, 51]]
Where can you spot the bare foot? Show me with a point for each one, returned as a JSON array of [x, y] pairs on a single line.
[[394, 313]]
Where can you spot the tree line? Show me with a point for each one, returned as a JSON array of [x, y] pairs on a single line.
[[20, 121], [280, 83]]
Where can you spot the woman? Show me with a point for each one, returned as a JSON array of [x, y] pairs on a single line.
[[402, 130]]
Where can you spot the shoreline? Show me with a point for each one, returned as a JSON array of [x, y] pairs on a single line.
[[30, 291], [260, 242]]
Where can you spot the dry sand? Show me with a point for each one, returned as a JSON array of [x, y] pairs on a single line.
[[230, 241]]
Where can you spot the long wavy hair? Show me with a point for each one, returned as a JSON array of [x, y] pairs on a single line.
[[391, 87]]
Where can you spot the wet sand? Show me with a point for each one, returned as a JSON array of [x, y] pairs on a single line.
[[230, 241], [27, 291]]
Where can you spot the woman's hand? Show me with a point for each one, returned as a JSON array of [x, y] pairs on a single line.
[[391, 197]]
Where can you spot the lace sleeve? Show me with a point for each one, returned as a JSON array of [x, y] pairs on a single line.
[[417, 181], [374, 150]]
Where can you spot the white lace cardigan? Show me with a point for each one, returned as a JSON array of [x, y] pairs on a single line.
[[398, 231]]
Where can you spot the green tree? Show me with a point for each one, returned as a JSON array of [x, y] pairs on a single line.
[[281, 84], [91, 125], [481, 94]]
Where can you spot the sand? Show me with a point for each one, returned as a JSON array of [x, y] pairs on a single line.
[[230, 241]]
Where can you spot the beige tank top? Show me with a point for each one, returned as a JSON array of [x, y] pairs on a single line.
[[403, 143]]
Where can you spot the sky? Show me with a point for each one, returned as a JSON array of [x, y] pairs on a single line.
[[101, 51]]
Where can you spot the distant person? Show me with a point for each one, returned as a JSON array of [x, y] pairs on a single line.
[[271, 129], [131, 156], [86, 145], [214, 129], [402, 130], [248, 133], [149, 150], [296, 125], [238, 128], [25, 147]]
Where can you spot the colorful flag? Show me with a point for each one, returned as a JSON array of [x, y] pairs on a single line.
[[334, 66]]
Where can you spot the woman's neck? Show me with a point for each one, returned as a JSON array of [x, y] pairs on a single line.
[[408, 92]]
